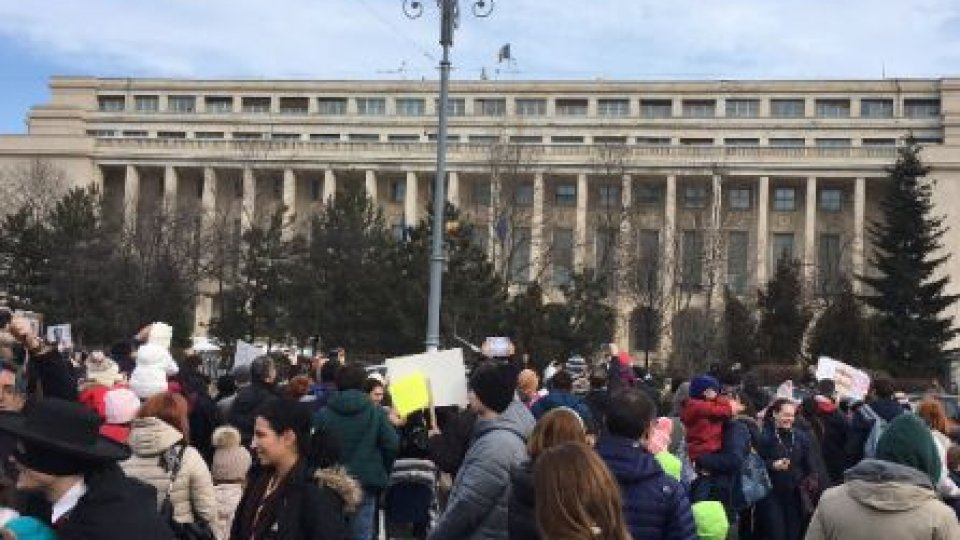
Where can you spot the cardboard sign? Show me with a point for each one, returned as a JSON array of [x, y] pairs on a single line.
[[60, 335], [246, 353], [444, 370], [410, 394], [850, 381]]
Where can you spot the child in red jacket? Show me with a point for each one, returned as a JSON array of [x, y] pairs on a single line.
[[703, 416]]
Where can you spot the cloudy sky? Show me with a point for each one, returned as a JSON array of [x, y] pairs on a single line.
[[550, 39]]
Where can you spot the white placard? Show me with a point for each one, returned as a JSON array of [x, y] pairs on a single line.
[[246, 353], [60, 335], [850, 381], [444, 370]]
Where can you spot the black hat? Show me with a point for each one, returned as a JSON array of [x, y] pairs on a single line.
[[63, 427], [494, 385]]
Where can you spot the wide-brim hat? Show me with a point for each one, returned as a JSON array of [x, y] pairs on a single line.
[[64, 427]]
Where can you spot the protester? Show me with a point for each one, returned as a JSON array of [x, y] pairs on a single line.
[[62, 457], [882, 405], [889, 497], [203, 414], [477, 508], [327, 385], [557, 426], [282, 498], [160, 440], [756, 397], [577, 497], [377, 391], [226, 389], [933, 414], [831, 430], [598, 397], [367, 441], [528, 387], [262, 390], [786, 451], [703, 416], [561, 395], [48, 373], [655, 505], [231, 463], [241, 378]]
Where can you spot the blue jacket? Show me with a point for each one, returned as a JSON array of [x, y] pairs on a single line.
[[655, 506], [560, 398], [724, 468]]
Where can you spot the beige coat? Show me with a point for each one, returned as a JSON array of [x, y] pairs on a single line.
[[881, 500], [192, 491], [228, 497]]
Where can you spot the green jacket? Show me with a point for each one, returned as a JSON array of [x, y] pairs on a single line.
[[368, 443]]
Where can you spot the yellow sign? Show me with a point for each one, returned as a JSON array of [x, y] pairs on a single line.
[[410, 393]]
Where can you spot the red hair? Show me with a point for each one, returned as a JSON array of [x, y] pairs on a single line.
[[171, 408]]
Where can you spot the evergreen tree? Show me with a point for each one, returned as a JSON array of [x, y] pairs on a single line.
[[906, 294], [740, 332], [783, 315], [589, 320], [842, 332]]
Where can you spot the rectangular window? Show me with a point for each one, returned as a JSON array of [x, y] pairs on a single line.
[[411, 106], [135, 133], [609, 196], [695, 197], [833, 143], [828, 263], [398, 230], [691, 275], [613, 107], [879, 142], [255, 104], [609, 139], [605, 254], [455, 106], [146, 104], [171, 134], [523, 194], [332, 106], [648, 269], [565, 195], [371, 106], [739, 198], [571, 107], [738, 248], [562, 257], [490, 107], [699, 108], [531, 107], [648, 194], [833, 108], [111, 103], [218, 104], [526, 139], [432, 137], [782, 248], [743, 108], [785, 199], [567, 139], [653, 141], [285, 136], [363, 137], [325, 137], [481, 193], [787, 143], [921, 108], [519, 267], [788, 108], [101, 133], [876, 108], [398, 191], [182, 104], [741, 141], [247, 136], [403, 138], [294, 105], [831, 199], [656, 108], [208, 135], [316, 189], [690, 141], [484, 139]]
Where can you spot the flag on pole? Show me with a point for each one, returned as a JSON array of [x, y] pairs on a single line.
[[504, 53]]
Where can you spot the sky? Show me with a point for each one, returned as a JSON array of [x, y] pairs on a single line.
[[550, 39]]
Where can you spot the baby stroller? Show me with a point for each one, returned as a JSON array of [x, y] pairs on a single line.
[[410, 500]]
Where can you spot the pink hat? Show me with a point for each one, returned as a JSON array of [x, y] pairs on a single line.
[[120, 406]]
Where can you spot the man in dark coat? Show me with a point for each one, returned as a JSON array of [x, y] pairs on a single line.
[[243, 410], [831, 429], [61, 457], [883, 405]]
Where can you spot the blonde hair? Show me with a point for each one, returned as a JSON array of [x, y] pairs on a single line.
[[557, 426], [577, 496]]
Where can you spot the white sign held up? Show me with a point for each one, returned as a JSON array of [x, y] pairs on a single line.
[[444, 370], [246, 353], [850, 381]]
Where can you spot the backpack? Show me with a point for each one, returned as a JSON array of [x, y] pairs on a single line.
[[755, 482], [876, 431]]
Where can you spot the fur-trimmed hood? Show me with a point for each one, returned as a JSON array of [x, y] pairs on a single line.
[[344, 485]]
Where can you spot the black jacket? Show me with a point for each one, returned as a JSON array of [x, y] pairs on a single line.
[[449, 448], [243, 411], [794, 445], [50, 374], [521, 519], [860, 426], [115, 507]]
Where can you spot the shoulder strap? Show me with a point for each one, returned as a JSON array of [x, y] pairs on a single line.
[[175, 470], [869, 413]]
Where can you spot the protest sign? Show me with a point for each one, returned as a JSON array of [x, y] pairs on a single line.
[[410, 393], [443, 370], [245, 354], [850, 381], [60, 335]]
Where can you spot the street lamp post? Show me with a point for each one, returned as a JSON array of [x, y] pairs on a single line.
[[449, 17]]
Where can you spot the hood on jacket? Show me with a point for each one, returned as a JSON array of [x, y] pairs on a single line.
[[517, 418], [888, 487], [628, 460], [341, 483], [151, 436], [350, 402]]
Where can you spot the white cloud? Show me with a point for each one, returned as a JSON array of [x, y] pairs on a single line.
[[555, 39]]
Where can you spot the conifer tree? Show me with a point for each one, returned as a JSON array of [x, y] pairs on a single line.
[[783, 315]]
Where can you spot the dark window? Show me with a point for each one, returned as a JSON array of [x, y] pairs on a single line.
[[566, 195], [738, 246], [785, 199]]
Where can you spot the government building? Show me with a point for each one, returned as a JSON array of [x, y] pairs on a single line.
[[675, 190]]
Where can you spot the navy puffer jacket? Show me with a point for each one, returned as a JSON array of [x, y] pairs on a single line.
[[655, 506]]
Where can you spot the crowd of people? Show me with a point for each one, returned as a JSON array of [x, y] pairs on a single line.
[[132, 443]]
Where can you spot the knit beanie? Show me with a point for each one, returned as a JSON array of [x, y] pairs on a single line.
[[29, 528], [711, 520], [102, 370], [702, 383], [493, 385], [230, 460], [528, 382], [908, 441]]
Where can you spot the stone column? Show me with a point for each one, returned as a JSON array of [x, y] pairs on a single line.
[[453, 188], [131, 197], [248, 206], [763, 229], [859, 246], [668, 278], [289, 200], [96, 177], [580, 249], [208, 198], [410, 201], [625, 247], [329, 185], [810, 234], [170, 181], [370, 184], [537, 263], [717, 254]]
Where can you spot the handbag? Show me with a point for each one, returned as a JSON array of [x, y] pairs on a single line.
[[755, 482], [199, 529]]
